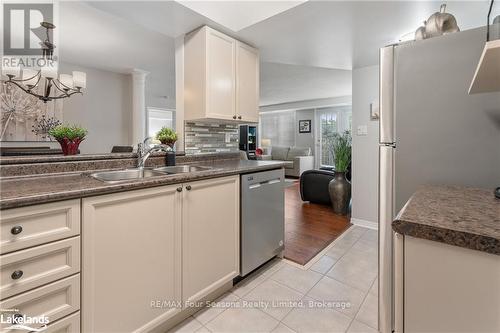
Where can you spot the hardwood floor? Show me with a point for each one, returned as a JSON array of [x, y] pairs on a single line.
[[309, 228]]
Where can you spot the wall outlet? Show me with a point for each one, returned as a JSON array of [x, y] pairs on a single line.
[[362, 130]]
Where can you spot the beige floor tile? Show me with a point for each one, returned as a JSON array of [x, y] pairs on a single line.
[[355, 232], [222, 303], [296, 278], [330, 290], [358, 327], [245, 286], [277, 299], [323, 265], [316, 319], [281, 328], [371, 235], [368, 313], [189, 325], [203, 330], [355, 272], [271, 267], [242, 320], [340, 247]]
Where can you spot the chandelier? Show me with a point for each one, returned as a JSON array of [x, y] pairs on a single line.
[[44, 83]]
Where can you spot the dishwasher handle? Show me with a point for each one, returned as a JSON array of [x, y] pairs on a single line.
[[265, 182]]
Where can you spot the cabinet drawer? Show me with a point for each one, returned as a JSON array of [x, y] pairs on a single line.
[[38, 265], [69, 324], [24, 227], [54, 300]]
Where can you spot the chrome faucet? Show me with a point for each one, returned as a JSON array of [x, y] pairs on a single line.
[[144, 151]]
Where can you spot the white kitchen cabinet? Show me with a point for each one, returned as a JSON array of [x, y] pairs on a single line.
[[247, 83], [221, 78], [210, 235], [131, 259], [447, 288]]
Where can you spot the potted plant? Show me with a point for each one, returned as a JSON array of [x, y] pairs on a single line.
[[69, 137], [339, 187], [167, 136]]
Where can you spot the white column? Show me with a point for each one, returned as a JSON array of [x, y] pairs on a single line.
[[138, 106]]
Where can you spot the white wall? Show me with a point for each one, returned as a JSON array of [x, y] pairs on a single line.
[[104, 109], [304, 139], [365, 148]]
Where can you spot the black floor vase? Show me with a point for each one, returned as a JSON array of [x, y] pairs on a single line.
[[340, 193]]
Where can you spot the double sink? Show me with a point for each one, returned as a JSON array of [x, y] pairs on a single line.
[[144, 173]]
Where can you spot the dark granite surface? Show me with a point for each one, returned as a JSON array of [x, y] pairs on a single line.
[[461, 216], [25, 191], [33, 165]]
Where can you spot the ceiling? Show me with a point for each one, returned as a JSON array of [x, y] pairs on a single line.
[[237, 15], [330, 34], [282, 83]]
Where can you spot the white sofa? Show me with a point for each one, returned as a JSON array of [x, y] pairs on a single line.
[[297, 159]]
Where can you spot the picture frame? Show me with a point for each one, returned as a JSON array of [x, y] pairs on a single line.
[[305, 126]]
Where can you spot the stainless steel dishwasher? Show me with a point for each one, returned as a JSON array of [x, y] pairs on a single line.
[[262, 218]]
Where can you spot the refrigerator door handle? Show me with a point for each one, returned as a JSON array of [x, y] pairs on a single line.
[[386, 95], [385, 217]]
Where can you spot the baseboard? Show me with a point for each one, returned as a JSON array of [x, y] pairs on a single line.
[[364, 223]]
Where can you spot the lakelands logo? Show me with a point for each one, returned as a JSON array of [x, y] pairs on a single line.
[[22, 33], [17, 321]]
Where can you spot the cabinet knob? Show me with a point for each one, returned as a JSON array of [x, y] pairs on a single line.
[[239, 117], [234, 117], [188, 187], [179, 189], [16, 230], [16, 275]]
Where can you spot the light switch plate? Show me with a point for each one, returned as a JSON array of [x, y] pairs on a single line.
[[362, 130]]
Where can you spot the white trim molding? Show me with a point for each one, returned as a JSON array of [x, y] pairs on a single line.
[[364, 223]]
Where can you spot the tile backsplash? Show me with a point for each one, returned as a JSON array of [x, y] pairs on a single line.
[[210, 137]]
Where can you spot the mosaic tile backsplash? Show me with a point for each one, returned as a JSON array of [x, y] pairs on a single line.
[[210, 138]]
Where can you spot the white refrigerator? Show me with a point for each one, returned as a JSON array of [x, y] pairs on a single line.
[[431, 132]]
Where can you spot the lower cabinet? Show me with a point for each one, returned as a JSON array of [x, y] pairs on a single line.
[[446, 288], [147, 251], [210, 236], [131, 274]]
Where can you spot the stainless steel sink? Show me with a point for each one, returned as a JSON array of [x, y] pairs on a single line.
[[124, 175], [182, 169]]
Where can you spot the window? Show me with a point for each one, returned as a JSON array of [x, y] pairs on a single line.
[[331, 120], [278, 128], [158, 118]]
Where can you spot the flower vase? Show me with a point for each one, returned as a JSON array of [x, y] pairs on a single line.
[[340, 193], [70, 147]]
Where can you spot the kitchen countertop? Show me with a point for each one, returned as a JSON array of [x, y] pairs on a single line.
[[461, 216], [25, 191]]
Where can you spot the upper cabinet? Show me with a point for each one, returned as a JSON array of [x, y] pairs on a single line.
[[221, 77], [247, 82]]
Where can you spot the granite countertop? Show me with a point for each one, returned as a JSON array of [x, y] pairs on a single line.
[[461, 216], [25, 191]]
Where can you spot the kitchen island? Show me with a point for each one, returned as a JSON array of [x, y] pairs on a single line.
[[137, 255], [447, 261]]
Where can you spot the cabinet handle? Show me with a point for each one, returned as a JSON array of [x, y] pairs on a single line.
[[16, 275], [239, 117], [188, 187], [179, 189], [16, 230], [234, 117]]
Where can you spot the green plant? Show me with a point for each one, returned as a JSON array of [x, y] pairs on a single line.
[[70, 132], [341, 145], [166, 136]]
